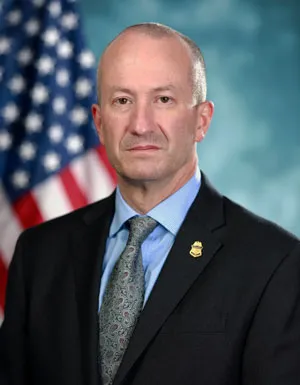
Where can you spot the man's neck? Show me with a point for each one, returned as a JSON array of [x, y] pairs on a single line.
[[143, 196]]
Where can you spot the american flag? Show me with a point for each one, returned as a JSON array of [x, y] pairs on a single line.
[[51, 161]]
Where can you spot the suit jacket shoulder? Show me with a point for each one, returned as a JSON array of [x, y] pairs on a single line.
[[56, 230], [256, 231], [44, 247]]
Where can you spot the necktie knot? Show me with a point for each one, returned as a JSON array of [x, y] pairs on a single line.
[[139, 229]]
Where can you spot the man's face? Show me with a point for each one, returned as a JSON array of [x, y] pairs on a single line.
[[147, 119]]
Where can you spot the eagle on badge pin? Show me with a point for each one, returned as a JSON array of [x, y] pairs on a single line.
[[196, 249]]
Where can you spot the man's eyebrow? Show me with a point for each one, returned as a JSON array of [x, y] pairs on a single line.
[[121, 89], [167, 87]]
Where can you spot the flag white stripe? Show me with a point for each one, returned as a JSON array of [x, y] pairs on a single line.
[[92, 176], [51, 198], [10, 228]]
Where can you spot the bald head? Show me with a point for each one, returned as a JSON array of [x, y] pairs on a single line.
[[197, 73]]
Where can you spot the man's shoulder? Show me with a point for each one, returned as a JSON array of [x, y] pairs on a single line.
[[62, 225], [255, 229], [241, 226]]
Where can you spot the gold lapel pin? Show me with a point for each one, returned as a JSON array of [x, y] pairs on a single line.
[[196, 249]]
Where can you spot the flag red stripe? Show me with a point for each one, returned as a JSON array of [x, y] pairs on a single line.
[[27, 211], [73, 191], [100, 150], [3, 280]]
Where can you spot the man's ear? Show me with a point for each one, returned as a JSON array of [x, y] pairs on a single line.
[[205, 114], [96, 112]]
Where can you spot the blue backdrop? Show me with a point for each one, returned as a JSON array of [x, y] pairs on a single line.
[[251, 48]]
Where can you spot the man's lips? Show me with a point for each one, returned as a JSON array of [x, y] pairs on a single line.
[[144, 147]]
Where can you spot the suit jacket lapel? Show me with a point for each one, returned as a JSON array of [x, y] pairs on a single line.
[[179, 272], [89, 243]]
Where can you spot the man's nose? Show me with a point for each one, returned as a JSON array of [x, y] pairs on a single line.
[[142, 119]]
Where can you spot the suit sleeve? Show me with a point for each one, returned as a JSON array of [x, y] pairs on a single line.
[[13, 330], [272, 350]]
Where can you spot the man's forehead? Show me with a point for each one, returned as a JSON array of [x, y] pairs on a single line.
[[131, 43]]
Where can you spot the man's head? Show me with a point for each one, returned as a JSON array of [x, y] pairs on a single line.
[[152, 103], [155, 30]]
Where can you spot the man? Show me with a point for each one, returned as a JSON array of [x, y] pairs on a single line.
[[214, 291]]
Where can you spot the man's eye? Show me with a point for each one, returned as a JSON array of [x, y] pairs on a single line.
[[122, 100], [165, 99]]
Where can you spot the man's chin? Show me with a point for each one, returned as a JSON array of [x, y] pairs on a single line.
[[140, 176]]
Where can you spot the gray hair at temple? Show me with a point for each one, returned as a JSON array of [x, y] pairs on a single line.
[[156, 30]]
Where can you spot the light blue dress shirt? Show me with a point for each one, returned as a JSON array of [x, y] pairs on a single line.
[[169, 214]]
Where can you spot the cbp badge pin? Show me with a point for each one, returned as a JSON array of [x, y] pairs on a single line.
[[196, 249]]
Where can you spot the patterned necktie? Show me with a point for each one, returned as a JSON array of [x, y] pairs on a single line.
[[123, 299]]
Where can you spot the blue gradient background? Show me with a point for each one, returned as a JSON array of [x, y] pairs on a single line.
[[252, 150]]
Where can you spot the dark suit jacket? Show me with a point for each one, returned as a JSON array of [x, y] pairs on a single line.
[[231, 316]]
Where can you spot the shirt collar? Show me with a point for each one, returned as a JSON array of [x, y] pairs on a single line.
[[170, 213]]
